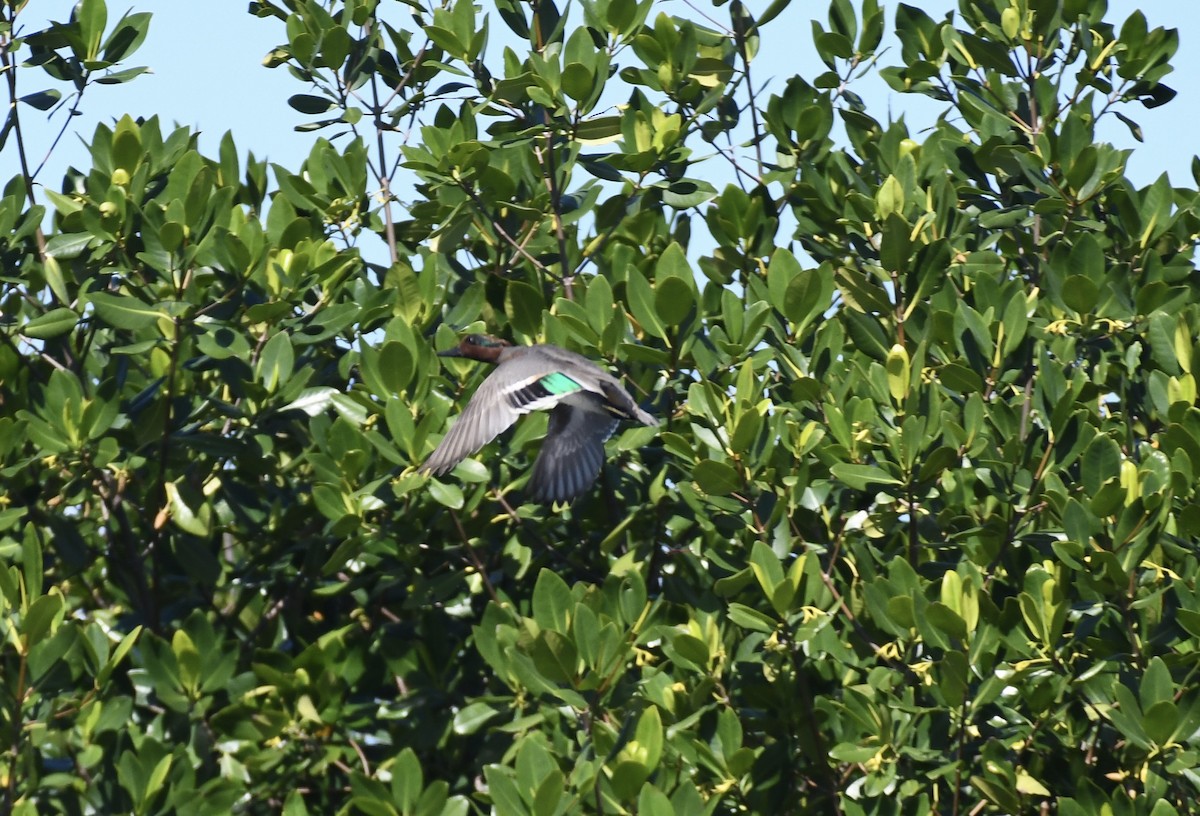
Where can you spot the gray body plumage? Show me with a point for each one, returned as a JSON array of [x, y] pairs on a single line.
[[585, 405]]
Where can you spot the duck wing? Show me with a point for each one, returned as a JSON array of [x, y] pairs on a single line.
[[612, 395], [573, 451], [516, 387], [620, 404]]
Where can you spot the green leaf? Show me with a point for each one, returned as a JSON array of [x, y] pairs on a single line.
[[42, 100], [632, 598], [555, 658], [66, 246], [121, 77], [859, 477], [48, 653], [1135, 130], [999, 796], [126, 37], [548, 794], [467, 307], [715, 478], [766, 567], [684, 193], [621, 16], [599, 302], [10, 591], [524, 306], [195, 519], [1156, 209], [673, 300], [446, 40], [750, 618], [577, 81], [585, 628], [55, 278], [1010, 22], [649, 736], [294, 804], [42, 618], [653, 802], [552, 602], [223, 342], [127, 145], [92, 18], [118, 654], [313, 401], [889, 200], [600, 130], [895, 249], [51, 324], [276, 362], [688, 651], [408, 780], [1161, 335], [335, 46], [446, 494], [157, 779], [946, 620], [959, 378], [1028, 785], [1163, 808], [124, 312], [31, 565], [396, 366], [187, 657], [1127, 717], [1161, 721], [953, 676], [1156, 685], [503, 791], [1080, 294], [807, 295], [1101, 462], [899, 373], [307, 103], [642, 304]]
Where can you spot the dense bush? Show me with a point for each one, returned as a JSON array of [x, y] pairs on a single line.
[[918, 533]]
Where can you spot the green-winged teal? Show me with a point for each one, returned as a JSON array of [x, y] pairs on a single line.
[[584, 401]]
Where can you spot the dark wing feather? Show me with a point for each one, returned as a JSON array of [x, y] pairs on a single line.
[[513, 389], [477, 426], [571, 455], [622, 405]]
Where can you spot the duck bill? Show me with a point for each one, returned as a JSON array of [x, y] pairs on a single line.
[[454, 352]]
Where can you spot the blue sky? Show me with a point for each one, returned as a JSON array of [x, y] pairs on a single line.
[[208, 74]]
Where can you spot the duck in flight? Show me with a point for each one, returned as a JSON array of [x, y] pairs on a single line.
[[584, 401]]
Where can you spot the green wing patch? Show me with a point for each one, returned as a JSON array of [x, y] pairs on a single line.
[[559, 384]]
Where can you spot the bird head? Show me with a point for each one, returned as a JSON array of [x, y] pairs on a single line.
[[483, 347]]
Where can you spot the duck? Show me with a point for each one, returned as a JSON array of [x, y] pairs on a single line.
[[585, 403]]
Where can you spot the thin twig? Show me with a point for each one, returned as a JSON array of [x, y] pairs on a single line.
[[736, 12], [71, 114], [598, 245], [503, 233], [549, 178], [479, 567], [384, 182], [10, 70]]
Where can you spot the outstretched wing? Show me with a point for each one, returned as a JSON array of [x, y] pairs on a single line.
[[511, 390], [572, 454], [622, 405]]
